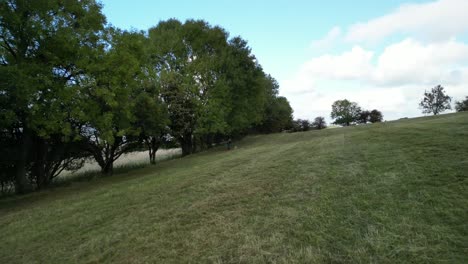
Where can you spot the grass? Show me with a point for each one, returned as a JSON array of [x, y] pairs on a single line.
[[132, 160], [394, 192]]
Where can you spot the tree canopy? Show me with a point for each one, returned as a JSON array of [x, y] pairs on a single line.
[[435, 101], [345, 112], [461, 106], [73, 87]]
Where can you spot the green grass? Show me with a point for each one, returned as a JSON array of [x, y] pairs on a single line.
[[394, 192]]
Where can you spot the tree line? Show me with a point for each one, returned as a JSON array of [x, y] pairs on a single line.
[[74, 87]]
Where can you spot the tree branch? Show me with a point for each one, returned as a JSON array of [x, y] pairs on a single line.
[[8, 47]]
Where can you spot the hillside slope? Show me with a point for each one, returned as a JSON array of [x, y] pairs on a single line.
[[394, 192]]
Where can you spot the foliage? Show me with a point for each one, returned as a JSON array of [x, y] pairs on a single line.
[[461, 106], [71, 88], [300, 125], [375, 116], [212, 85], [43, 46], [108, 93], [278, 112], [345, 112], [364, 117], [319, 123], [435, 101]]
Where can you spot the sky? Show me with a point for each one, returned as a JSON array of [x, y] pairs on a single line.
[[381, 54]]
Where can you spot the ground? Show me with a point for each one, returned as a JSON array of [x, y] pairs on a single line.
[[394, 192]]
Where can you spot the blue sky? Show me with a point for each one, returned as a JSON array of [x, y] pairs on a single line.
[[290, 40]]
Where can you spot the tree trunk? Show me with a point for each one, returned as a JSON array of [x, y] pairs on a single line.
[[40, 173], [186, 144], [22, 184], [153, 144], [108, 168]]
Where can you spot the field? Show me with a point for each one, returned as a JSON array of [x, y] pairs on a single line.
[[132, 159], [394, 192]]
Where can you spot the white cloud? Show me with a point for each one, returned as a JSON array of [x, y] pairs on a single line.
[[392, 81], [352, 64], [432, 21], [411, 62], [405, 62], [328, 41]]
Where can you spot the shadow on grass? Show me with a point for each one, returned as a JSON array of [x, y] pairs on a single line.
[[87, 180]]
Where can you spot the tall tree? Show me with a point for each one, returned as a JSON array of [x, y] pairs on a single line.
[[152, 120], [435, 101], [107, 93], [345, 112], [211, 86], [461, 106], [185, 58], [278, 111], [43, 45]]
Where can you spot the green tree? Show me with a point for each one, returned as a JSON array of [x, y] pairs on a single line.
[[364, 117], [108, 93], [152, 120], [278, 111], [186, 57], [319, 123], [43, 45], [345, 112], [435, 101], [461, 106], [249, 87], [211, 86], [375, 116]]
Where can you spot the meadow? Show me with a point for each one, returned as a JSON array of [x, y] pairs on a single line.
[[393, 192]]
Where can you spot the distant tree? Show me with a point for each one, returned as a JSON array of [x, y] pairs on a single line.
[[299, 125], [435, 101], [296, 125], [364, 117], [305, 124], [345, 112], [375, 116], [461, 106], [319, 123]]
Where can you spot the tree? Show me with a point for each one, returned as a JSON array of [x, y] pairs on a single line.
[[305, 124], [152, 119], [319, 123], [108, 94], [43, 46], [211, 85], [375, 116], [187, 58], [364, 117], [461, 106], [299, 125], [345, 112], [278, 111], [435, 101]]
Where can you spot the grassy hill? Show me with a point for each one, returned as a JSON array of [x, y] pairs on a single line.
[[394, 192]]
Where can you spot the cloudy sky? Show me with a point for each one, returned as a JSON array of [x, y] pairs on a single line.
[[381, 54]]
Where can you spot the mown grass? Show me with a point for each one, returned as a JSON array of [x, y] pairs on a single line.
[[394, 192]]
